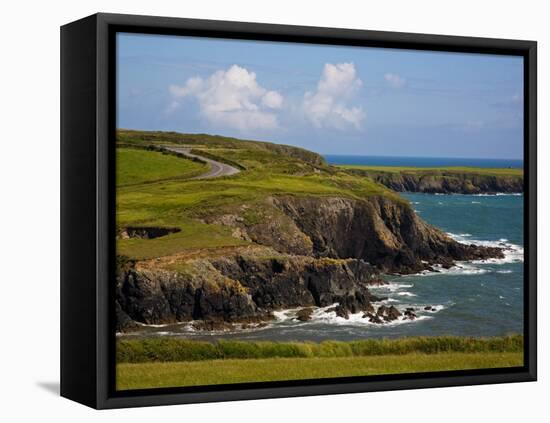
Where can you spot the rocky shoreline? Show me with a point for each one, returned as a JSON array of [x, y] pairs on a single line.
[[304, 252], [445, 182]]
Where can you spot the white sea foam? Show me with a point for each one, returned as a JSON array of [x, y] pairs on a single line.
[[320, 315], [287, 314], [390, 300], [151, 325], [512, 253], [461, 268], [512, 194], [357, 319], [455, 236], [406, 294], [391, 286], [504, 271]]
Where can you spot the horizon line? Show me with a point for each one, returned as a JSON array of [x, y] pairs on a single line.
[[421, 157]]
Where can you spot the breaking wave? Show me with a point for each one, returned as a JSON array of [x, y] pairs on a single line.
[[512, 253]]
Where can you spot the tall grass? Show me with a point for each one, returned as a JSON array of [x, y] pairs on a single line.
[[170, 349]]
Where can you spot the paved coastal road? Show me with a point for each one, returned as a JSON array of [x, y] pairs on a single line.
[[217, 169]]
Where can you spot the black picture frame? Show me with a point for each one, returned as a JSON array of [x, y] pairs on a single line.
[[87, 208]]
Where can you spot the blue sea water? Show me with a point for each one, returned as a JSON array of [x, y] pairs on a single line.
[[421, 161]]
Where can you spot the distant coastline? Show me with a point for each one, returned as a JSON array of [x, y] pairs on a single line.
[[336, 159]]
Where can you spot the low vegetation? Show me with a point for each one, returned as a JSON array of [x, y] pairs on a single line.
[[213, 372], [451, 170], [173, 349]]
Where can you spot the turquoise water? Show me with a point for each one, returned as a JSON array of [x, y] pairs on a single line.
[[473, 299], [420, 161]]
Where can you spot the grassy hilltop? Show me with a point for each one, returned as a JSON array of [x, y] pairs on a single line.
[[156, 189]]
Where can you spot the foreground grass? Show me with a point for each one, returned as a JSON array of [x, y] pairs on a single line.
[[173, 349], [212, 372]]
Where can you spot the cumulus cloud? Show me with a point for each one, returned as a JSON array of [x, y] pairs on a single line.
[[272, 99], [232, 98], [394, 80], [328, 105]]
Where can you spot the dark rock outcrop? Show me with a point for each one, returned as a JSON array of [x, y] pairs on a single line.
[[386, 233], [240, 288], [146, 232]]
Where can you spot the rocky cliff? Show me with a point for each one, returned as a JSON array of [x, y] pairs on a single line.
[[240, 287], [304, 251], [443, 182], [382, 231]]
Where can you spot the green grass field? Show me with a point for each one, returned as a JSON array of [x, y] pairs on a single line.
[[438, 170], [155, 189], [212, 372], [136, 166], [165, 362]]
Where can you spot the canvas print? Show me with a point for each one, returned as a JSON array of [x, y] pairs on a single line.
[[290, 212]]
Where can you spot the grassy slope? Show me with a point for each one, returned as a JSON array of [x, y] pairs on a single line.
[[136, 167], [211, 372], [457, 170], [271, 169]]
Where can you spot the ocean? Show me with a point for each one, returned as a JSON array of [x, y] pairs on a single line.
[[472, 299], [421, 161]]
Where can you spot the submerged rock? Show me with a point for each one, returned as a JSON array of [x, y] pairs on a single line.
[[304, 314]]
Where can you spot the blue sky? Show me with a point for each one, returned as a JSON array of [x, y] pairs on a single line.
[[329, 99]]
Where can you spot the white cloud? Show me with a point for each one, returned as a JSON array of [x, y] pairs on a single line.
[[272, 99], [394, 80], [232, 98], [327, 106]]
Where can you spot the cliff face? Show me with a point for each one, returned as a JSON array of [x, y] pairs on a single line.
[[309, 251], [240, 288], [446, 183], [386, 233]]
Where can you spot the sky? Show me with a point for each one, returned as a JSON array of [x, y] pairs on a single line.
[[328, 99]]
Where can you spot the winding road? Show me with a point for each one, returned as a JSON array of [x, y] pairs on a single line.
[[217, 169]]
